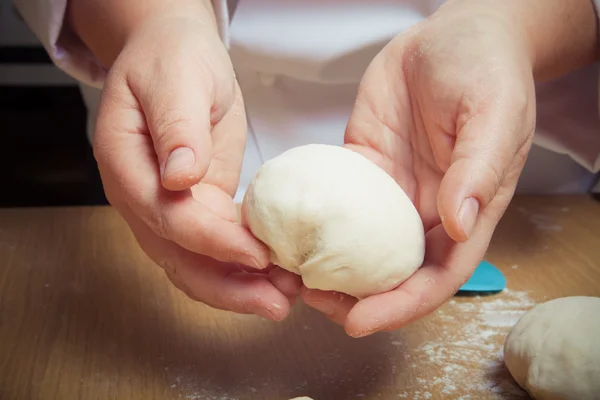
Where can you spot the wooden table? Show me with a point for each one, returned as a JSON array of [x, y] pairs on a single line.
[[85, 315]]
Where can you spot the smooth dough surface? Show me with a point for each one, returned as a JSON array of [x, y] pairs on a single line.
[[553, 352], [332, 216]]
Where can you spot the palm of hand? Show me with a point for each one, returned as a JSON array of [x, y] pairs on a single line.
[[186, 220], [448, 124], [388, 128]]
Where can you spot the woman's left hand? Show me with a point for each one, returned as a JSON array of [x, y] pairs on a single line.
[[448, 110]]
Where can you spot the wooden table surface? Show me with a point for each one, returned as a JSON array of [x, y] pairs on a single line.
[[85, 315]]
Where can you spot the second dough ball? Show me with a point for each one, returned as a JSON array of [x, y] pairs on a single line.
[[553, 352], [337, 219]]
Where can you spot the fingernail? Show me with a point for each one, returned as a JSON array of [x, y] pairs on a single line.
[[263, 312], [179, 159], [467, 215], [251, 262], [358, 335], [268, 314]]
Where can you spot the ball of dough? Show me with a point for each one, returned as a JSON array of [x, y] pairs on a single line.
[[553, 352], [335, 218]]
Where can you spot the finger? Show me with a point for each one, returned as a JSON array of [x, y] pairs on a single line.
[[239, 292], [334, 305], [127, 163], [447, 266], [286, 282], [206, 280], [181, 107], [373, 131], [488, 146], [229, 144], [215, 200], [196, 228]]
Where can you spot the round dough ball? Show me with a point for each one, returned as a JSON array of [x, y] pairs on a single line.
[[335, 218], [553, 352]]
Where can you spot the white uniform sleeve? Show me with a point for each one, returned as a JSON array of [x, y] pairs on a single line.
[[46, 18], [568, 114]]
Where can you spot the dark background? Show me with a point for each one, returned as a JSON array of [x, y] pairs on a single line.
[[45, 157]]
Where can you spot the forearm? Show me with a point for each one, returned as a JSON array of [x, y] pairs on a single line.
[[105, 25], [560, 35]]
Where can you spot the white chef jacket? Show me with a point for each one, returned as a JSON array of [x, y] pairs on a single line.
[[299, 63]]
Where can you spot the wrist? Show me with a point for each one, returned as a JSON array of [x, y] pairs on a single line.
[[558, 36], [493, 20], [562, 34], [107, 36]]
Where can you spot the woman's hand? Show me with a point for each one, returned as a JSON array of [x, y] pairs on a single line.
[[448, 110], [169, 141]]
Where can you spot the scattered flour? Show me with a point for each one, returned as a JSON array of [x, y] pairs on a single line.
[[543, 221], [469, 355], [465, 361]]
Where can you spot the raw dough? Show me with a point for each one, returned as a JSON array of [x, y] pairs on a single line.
[[335, 218], [553, 352]]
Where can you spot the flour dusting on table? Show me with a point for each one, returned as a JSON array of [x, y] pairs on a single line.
[[470, 358], [464, 361]]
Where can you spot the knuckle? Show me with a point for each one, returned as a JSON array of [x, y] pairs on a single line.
[[181, 286], [494, 175], [170, 125], [150, 213], [169, 266], [158, 223], [518, 95], [523, 149], [418, 303]]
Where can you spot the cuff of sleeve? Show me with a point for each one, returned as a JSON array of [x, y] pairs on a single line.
[[222, 15], [67, 50], [585, 151], [47, 21]]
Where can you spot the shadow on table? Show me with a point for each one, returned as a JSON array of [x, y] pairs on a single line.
[[504, 382], [304, 355], [120, 329]]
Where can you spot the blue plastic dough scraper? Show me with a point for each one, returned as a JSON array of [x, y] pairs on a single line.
[[486, 278]]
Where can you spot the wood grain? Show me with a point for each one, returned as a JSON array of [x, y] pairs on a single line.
[[85, 315]]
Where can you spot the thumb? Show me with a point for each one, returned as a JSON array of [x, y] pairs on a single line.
[[181, 109], [489, 153]]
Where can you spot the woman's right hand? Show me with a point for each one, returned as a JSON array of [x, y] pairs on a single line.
[[169, 141]]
